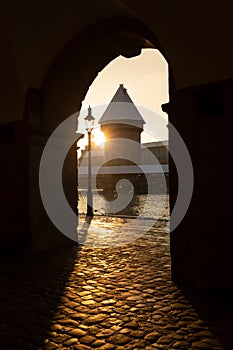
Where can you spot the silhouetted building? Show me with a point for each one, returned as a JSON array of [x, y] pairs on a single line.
[[159, 150], [123, 156], [122, 120]]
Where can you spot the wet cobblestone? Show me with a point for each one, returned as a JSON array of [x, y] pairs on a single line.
[[99, 298]]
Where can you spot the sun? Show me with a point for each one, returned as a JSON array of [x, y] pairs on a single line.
[[99, 137]]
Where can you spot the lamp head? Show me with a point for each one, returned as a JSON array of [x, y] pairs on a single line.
[[89, 120]]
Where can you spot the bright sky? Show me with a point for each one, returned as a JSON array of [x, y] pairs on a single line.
[[146, 79]]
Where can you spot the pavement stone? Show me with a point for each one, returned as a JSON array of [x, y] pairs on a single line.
[[99, 298]]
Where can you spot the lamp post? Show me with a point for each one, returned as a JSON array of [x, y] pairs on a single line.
[[89, 120]]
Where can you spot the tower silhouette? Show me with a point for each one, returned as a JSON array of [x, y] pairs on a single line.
[[122, 120]]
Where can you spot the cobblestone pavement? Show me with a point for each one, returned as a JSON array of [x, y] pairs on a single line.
[[103, 298]]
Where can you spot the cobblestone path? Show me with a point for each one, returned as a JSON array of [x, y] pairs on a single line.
[[98, 298]]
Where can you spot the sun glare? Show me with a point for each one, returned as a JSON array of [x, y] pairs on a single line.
[[99, 137]]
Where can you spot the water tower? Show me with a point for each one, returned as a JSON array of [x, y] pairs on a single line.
[[122, 120]]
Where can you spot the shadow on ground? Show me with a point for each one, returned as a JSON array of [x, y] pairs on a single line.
[[107, 298], [215, 308], [31, 288]]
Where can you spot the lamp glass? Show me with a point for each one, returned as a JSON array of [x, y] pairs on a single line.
[[89, 120]]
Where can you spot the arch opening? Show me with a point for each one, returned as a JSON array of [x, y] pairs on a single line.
[[71, 75], [144, 78]]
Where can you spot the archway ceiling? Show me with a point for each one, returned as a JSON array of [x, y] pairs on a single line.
[[195, 37], [37, 31]]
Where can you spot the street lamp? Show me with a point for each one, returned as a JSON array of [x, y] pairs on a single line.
[[89, 120]]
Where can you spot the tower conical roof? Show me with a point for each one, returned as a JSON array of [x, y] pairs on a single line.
[[121, 110]]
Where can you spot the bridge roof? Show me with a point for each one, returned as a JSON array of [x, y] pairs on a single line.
[[122, 110]]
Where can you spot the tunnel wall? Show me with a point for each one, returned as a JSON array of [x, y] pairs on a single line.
[[14, 214], [201, 246]]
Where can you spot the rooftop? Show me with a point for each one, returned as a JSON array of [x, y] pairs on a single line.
[[122, 110]]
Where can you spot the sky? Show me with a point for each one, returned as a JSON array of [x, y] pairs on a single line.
[[146, 79]]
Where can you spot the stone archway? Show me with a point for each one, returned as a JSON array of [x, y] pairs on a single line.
[[61, 95]]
